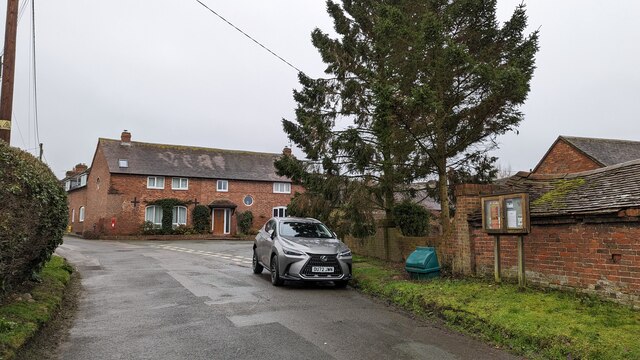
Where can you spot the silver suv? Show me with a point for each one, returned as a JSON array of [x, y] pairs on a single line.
[[301, 249]]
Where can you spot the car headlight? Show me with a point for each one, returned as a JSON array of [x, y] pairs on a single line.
[[292, 252], [345, 253]]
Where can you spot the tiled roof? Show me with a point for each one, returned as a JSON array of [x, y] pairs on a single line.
[[601, 191], [186, 161], [606, 151]]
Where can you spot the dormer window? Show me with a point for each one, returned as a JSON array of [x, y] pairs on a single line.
[[123, 163], [83, 180]]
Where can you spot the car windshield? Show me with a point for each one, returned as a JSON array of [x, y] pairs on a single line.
[[305, 230]]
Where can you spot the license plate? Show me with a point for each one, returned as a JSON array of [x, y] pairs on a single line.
[[322, 269]]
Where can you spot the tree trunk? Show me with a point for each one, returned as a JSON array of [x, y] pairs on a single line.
[[444, 200]]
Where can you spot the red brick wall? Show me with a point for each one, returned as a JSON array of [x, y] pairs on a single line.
[[457, 250], [129, 218], [598, 258], [563, 158], [98, 213], [76, 199]]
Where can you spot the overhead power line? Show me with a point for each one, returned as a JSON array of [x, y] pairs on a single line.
[[249, 36]]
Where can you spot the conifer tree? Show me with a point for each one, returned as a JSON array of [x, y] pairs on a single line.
[[414, 87]]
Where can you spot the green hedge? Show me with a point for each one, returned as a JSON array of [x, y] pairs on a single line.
[[33, 215], [245, 221], [202, 219], [411, 218]]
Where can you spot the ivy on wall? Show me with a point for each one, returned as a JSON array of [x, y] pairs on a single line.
[[167, 206]]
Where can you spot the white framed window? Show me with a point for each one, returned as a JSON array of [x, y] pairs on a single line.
[[155, 182], [153, 214], [179, 183], [123, 163], [222, 185], [81, 214], [280, 211], [179, 216], [83, 180], [73, 215], [248, 200], [282, 188], [67, 185]]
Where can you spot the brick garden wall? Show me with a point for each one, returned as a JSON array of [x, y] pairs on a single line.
[[600, 258], [599, 255]]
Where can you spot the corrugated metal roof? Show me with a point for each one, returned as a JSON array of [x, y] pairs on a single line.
[[187, 161]]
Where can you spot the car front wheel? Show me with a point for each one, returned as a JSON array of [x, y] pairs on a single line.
[[276, 280], [257, 268]]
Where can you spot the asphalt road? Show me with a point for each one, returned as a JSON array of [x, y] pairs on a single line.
[[200, 300]]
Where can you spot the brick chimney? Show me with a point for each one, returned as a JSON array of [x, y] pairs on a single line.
[[125, 138], [79, 168], [286, 151]]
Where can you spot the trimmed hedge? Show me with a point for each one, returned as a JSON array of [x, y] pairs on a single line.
[[33, 215]]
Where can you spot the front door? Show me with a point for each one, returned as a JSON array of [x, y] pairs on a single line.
[[218, 221]]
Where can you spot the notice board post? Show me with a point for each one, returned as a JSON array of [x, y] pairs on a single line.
[[507, 215]]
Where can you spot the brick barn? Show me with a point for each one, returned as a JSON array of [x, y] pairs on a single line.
[[115, 195], [585, 221]]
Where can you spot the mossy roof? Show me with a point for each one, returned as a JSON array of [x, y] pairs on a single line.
[[602, 191], [188, 161]]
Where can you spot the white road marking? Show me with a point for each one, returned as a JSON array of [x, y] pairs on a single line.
[[236, 259]]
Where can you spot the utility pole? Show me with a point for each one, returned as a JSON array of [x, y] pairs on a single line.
[[8, 69]]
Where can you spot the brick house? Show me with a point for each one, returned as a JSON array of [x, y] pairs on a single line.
[[114, 196], [570, 154], [585, 224]]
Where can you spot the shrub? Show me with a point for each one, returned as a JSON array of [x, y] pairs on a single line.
[[201, 219], [183, 230], [411, 218], [245, 221], [148, 228], [33, 215]]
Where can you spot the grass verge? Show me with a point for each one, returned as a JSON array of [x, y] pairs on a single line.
[[20, 319], [534, 323]]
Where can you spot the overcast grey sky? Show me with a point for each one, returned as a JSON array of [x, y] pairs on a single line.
[[171, 72]]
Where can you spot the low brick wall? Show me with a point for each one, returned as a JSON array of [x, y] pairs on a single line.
[[597, 254], [597, 258]]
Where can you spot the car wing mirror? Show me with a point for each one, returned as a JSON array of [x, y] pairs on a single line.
[[271, 233]]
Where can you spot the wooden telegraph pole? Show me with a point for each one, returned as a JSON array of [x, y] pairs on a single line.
[[8, 69]]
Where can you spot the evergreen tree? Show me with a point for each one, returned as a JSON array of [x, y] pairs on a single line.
[[415, 86]]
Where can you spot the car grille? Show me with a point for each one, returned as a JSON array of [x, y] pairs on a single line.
[[315, 260]]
